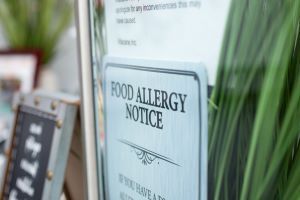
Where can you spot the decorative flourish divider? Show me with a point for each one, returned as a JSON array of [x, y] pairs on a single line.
[[146, 156]]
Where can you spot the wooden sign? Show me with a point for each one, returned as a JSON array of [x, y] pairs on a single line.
[[39, 147]]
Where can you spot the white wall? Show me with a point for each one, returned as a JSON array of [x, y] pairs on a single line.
[[65, 63]]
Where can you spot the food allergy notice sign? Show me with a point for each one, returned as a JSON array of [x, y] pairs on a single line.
[[156, 130], [187, 30]]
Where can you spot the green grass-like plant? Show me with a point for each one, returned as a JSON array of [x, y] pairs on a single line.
[[35, 24], [254, 149]]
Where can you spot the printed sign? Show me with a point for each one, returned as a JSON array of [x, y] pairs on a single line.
[[30, 156], [185, 30], [156, 130]]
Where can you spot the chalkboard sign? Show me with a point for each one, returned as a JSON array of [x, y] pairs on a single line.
[[39, 135], [32, 143]]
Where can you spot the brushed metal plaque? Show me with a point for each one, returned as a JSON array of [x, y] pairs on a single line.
[[155, 130]]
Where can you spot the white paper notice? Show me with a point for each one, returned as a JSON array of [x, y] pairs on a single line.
[[182, 30]]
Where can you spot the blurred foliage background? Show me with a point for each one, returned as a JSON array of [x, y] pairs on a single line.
[[254, 148], [35, 24]]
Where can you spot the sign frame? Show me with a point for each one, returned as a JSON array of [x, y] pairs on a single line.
[[30, 52], [93, 154], [65, 112]]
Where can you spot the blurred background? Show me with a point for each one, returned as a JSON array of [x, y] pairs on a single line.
[[47, 26], [44, 30], [38, 50]]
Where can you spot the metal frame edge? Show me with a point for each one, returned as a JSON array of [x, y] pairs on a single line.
[[86, 109]]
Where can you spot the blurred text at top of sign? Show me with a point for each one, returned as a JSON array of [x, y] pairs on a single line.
[[185, 30]]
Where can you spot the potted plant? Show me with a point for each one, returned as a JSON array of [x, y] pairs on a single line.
[[254, 129], [35, 24]]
